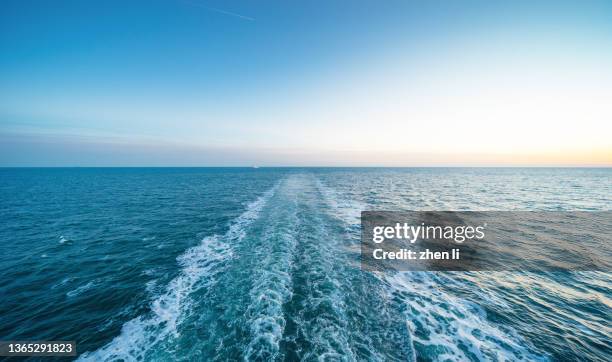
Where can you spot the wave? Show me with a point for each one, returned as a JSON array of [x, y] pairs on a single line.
[[200, 267], [81, 289]]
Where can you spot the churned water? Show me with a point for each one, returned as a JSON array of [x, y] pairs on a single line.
[[263, 264]]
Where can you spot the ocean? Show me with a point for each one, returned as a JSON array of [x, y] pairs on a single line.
[[215, 264]]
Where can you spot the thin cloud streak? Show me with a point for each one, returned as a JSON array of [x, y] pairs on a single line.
[[230, 13], [220, 11]]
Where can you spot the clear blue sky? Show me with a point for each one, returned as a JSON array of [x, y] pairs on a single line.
[[304, 82]]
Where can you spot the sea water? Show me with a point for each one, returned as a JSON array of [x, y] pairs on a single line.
[[263, 264]]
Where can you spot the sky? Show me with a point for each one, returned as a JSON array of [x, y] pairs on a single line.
[[305, 83]]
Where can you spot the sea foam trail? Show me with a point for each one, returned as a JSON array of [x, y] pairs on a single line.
[[442, 326], [200, 267], [345, 209], [376, 329], [272, 284], [446, 327], [319, 327]]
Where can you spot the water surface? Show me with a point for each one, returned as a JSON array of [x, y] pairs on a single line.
[[263, 264]]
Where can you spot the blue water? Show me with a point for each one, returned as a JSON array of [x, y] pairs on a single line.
[[263, 264]]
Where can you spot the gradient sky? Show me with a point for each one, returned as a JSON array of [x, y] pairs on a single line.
[[390, 83]]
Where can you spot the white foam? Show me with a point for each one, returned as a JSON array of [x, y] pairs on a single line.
[[64, 240], [322, 319], [63, 282], [272, 284], [442, 322], [199, 267], [345, 209], [81, 289]]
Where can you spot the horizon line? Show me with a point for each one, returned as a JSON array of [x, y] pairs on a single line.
[[315, 166]]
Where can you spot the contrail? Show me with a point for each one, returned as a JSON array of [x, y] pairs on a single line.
[[220, 11], [230, 13]]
